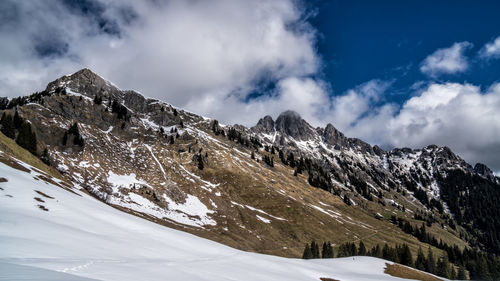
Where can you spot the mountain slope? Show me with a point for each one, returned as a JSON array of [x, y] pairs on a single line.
[[45, 226], [269, 189]]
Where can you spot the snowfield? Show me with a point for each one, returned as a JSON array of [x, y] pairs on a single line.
[[48, 233]]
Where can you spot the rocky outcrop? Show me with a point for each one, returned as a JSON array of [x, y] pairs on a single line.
[[484, 171], [291, 124], [334, 137], [264, 126], [87, 83]]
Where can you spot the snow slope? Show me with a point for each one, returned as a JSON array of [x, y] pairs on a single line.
[[80, 237]]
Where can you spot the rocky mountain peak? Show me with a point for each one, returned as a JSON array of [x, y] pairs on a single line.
[[292, 124], [334, 137], [484, 171], [264, 126], [87, 83]]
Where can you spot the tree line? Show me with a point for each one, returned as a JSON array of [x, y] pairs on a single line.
[[398, 254]]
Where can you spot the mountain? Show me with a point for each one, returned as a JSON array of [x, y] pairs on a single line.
[[50, 231], [270, 188]]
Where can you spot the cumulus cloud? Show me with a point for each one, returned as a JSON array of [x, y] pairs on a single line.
[[201, 55], [447, 60], [460, 116], [491, 50]]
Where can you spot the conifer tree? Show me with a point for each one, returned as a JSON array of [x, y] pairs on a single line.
[[65, 138], [98, 99], [461, 274], [252, 156], [315, 250], [18, 121], [420, 262], [405, 257], [361, 249], [443, 267], [8, 126], [431, 262], [200, 162], [45, 157], [307, 252], [26, 138], [330, 250]]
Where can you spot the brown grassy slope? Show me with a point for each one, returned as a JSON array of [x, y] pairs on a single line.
[[398, 270], [9, 146]]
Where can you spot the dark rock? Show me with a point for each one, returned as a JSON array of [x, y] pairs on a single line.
[[333, 136], [291, 124], [264, 126], [484, 171]]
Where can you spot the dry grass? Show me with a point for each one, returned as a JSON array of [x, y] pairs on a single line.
[[10, 146], [401, 271]]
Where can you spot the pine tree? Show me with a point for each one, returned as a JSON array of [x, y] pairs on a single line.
[[405, 257], [98, 99], [420, 262], [8, 126], [45, 157], [324, 251], [65, 138], [362, 249], [315, 250], [431, 262], [461, 273], [347, 201], [330, 250], [18, 121], [252, 156], [307, 253], [443, 267], [200, 162], [26, 138]]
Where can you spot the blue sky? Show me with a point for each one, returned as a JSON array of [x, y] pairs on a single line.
[[392, 73], [364, 40]]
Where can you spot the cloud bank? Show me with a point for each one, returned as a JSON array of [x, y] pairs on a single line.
[[194, 54], [460, 116]]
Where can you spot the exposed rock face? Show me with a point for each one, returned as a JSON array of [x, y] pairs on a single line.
[[290, 123], [87, 83], [484, 171], [264, 126], [334, 137]]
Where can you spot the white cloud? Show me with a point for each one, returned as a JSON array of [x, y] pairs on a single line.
[[460, 116], [189, 53], [447, 60], [491, 49]]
